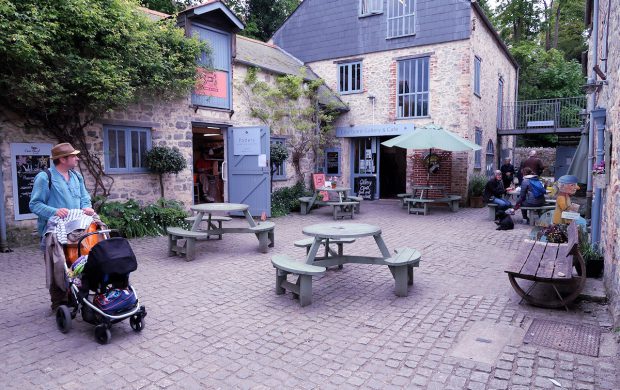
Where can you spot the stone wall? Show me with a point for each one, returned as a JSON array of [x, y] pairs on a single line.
[[609, 98], [547, 156], [452, 102]]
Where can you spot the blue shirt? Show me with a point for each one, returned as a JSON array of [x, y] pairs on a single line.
[[44, 202]]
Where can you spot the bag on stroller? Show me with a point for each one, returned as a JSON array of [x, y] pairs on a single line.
[[106, 272]]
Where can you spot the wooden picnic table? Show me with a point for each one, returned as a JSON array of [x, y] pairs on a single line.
[[264, 231], [341, 191], [400, 263]]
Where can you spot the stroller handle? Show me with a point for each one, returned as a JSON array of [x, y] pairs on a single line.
[[104, 231]]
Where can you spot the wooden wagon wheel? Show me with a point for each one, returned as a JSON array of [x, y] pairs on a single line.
[[576, 284]]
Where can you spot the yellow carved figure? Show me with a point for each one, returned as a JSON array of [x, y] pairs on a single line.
[[567, 186]]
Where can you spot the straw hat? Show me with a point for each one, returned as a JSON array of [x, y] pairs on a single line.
[[63, 150]]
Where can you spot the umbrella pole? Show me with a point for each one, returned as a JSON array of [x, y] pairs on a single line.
[[428, 167]]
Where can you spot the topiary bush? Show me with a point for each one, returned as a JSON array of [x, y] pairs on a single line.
[[284, 200], [164, 160]]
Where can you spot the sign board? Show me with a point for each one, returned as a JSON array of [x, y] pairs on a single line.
[[540, 123], [374, 130], [366, 187], [318, 180], [211, 83], [246, 142], [570, 215], [332, 162], [27, 160]]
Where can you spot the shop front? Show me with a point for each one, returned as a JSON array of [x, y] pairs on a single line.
[[375, 171]]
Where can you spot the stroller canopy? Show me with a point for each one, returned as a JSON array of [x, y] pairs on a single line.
[[108, 257]]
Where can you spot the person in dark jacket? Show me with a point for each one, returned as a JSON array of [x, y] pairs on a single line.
[[494, 190], [508, 173], [527, 197], [534, 163]]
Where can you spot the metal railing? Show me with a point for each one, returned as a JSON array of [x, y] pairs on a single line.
[[561, 113]]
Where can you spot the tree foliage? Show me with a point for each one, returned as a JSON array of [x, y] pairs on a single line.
[[291, 106], [262, 17], [164, 160], [65, 63]]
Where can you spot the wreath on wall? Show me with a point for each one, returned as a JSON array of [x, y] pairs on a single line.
[[431, 161]]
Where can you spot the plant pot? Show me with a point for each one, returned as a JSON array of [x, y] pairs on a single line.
[[476, 201], [594, 268]]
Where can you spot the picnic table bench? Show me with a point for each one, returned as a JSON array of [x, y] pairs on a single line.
[[417, 205], [344, 206], [211, 221], [533, 213], [551, 265]]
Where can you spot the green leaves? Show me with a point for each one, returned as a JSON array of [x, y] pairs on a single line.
[[163, 159]]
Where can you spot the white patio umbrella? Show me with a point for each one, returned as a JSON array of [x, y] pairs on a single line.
[[432, 137]]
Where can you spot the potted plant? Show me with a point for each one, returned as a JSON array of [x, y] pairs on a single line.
[[593, 258], [477, 183]]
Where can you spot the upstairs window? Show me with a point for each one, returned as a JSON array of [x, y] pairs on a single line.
[[350, 77], [500, 102], [125, 148], [371, 7], [478, 153], [400, 18], [412, 94], [490, 159], [477, 65]]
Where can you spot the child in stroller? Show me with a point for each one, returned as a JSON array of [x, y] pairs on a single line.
[[104, 271]]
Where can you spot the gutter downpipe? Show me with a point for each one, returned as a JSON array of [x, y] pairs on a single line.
[[591, 106], [599, 116], [593, 204], [4, 245]]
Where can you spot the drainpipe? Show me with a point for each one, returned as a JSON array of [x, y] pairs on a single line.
[[599, 117], [4, 245], [592, 105]]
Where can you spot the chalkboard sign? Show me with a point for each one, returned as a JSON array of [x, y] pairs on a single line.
[[366, 187], [332, 161], [27, 160]]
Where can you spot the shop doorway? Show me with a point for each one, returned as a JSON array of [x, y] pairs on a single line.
[[393, 170], [208, 149]]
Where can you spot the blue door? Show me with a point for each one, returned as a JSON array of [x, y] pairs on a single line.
[[247, 168]]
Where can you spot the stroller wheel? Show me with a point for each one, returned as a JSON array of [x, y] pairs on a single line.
[[136, 322], [102, 334], [63, 318]]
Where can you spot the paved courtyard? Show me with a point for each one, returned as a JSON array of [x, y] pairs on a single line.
[[217, 323]]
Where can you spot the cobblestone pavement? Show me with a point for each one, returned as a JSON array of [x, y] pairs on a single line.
[[217, 323]]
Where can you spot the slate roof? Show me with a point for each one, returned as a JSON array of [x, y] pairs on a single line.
[[273, 59]]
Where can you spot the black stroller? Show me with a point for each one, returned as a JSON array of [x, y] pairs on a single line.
[[106, 271]]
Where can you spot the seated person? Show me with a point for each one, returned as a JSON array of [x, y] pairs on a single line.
[[567, 186], [494, 190], [532, 193]]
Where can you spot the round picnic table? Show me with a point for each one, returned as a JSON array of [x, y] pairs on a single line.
[[323, 232], [209, 208]]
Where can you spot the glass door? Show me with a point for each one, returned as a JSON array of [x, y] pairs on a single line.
[[365, 165]]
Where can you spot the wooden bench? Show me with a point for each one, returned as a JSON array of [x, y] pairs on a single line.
[[265, 232], [415, 205], [302, 289], [401, 265], [304, 202], [214, 219], [402, 198], [188, 249], [357, 199], [534, 212], [552, 265], [307, 243], [342, 209]]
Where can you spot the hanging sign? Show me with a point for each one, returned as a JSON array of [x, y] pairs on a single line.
[[246, 142], [27, 160], [211, 83]]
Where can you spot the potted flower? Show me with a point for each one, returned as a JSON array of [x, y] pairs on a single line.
[[593, 258], [476, 186]]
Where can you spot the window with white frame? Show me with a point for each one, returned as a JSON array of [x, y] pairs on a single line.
[[350, 77], [400, 18], [412, 93], [125, 148], [478, 153], [490, 159], [280, 169], [477, 68], [371, 7]]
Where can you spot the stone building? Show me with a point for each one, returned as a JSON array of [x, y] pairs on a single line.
[[203, 122], [399, 65], [603, 21]]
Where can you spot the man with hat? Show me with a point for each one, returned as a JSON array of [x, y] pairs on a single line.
[[66, 191], [567, 186]]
